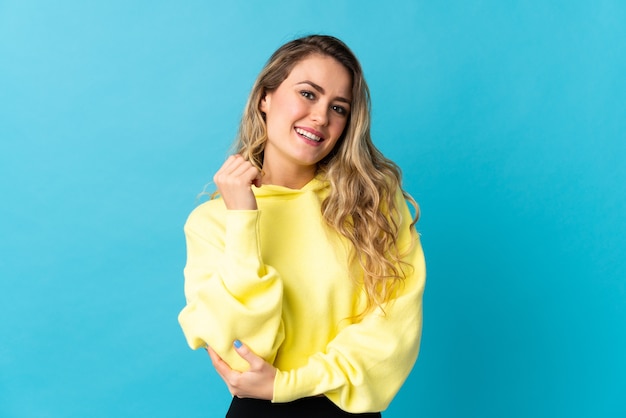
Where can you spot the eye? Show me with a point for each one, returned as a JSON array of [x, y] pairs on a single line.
[[339, 110], [307, 94]]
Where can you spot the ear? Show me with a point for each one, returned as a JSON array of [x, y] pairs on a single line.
[[265, 103]]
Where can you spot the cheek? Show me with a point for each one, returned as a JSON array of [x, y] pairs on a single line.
[[286, 111], [339, 127]]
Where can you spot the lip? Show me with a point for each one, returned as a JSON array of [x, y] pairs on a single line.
[[312, 131]]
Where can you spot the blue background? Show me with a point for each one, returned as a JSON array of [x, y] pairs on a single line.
[[508, 119]]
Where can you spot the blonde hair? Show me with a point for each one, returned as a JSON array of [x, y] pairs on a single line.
[[361, 205]]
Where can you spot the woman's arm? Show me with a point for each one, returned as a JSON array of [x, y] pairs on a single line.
[[231, 294], [362, 368], [364, 365]]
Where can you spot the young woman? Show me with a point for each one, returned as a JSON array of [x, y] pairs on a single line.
[[304, 279]]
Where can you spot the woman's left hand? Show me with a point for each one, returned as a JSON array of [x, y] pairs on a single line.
[[257, 382]]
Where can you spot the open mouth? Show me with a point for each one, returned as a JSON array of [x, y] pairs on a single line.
[[309, 135]]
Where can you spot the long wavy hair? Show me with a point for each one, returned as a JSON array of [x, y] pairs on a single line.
[[361, 204]]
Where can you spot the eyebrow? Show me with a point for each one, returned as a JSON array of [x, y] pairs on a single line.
[[321, 90]]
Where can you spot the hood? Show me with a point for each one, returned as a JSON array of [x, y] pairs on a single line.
[[317, 185]]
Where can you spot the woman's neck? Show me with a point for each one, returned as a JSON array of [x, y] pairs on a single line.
[[292, 179]]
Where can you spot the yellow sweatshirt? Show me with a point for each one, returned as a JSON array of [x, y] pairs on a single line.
[[278, 279]]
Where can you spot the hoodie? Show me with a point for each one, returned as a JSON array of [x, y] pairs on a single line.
[[280, 280]]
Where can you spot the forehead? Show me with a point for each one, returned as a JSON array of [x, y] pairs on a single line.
[[325, 71]]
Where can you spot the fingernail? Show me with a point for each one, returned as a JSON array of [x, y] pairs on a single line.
[[237, 344]]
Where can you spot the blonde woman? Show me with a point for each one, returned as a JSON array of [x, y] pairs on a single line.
[[304, 278]]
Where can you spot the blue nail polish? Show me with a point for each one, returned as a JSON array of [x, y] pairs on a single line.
[[237, 344]]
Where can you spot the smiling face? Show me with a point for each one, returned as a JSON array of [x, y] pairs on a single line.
[[305, 117]]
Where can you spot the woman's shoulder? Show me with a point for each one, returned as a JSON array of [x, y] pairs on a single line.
[[211, 212]]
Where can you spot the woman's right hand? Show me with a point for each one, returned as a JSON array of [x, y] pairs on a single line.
[[234, 181]]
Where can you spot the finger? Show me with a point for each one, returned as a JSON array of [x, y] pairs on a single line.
[[215, 358], [252, 175], [223, 169], [257, 181], [222, 368], [235, 163], [231, 164], [212, 354], [255, 361], [245, 170], [235, 171]]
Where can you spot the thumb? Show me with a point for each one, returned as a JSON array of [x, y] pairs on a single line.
[[246, 354], [257, 180]]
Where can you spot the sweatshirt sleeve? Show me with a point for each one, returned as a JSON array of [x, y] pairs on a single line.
[[364, 366], [231, 294]]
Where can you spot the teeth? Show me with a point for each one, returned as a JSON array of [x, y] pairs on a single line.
[[308, 135]]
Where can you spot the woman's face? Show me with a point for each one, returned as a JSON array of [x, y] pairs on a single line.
[[306, 115]]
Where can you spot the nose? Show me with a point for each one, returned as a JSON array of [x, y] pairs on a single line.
[[319, 114]]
